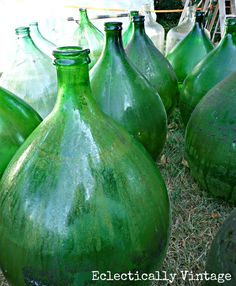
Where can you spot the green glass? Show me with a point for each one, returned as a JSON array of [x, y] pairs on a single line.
[[216, 66], [128, 32], [80, 194], [31, 75], [151, 63], [88, 36], [210, 140], [221, 257], [17, 121], [123, 93], [42, 43], [191, 50]]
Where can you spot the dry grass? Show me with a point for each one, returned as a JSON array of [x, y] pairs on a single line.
[[196, 217]]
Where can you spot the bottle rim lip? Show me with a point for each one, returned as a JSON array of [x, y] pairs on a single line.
[[230, 21], [34, 23], [113, 26], [138, 19], [22, 30], [135, 12], [70, 55], [83, 9]]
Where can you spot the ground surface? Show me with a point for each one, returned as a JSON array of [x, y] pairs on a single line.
[[196, 217]]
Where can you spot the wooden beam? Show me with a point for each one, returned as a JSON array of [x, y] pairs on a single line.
[[222, 16]]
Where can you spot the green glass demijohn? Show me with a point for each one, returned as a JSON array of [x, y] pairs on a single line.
[[88, 36], [123, 93], [17, 121], [221, 257], [128, 32], [80, 194], [216, 66], [43, 44], [210, 141], [31, 76], [153, 65], [191, 50]]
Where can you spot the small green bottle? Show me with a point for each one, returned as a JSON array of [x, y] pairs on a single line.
[[191, 50], [128, 32], [216, 66], [80, 195], [31, 75], [43, 44], [17, 121], [123, 93], [88, 36], [153, 65]]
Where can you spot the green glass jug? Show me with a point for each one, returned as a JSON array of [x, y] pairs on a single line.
[[80, 194], [191, 50], [151, 63], [88, 36], [31, 75], [221, 257], [211, 143], [43, 44], [216, 66], [17, 121], [128, 32], [123, 93], [154, 30]]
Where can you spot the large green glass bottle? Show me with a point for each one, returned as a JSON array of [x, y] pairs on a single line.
[[31, 75], [88, 36], [128, 32], [17, 121], [80, 194], [123, 93], [154, 30], [150, 62], [216, 66], [211, 143], [221, 257], [43, 44], [191, 50]]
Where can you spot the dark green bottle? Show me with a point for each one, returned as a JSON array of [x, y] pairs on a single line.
[[191, 50], [216, 66], [17, 121], [123, 93], [221, 257], [128, 32], [80, 194], [31, 75], [43, 44], [88, 36], [150, 62], [210, 141]]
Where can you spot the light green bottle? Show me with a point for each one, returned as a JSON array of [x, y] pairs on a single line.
[[128, 32]]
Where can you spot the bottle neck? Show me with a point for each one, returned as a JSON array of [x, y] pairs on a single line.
[[84, 17], [35, 29], [113, 42], [73, 86], [231, 30], [148, 16], [138, 29]]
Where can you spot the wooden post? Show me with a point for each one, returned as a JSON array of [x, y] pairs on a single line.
[[222, 16], [233, 6]]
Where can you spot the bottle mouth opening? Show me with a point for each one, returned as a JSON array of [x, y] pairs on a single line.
[[138, 19], [230, 21], [113, 26], [134, 13], [71, 55], [82, 9], [33, 23], [22, 30]]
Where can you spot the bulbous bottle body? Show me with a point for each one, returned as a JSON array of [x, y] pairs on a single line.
[[216, 66], [154, 30], [178, 33], [210, 141], [31, 75], [88, 36], [83, 201], [153, 65], [123, 93], [191, 50], [43, 44], [128, 32], [17, 121], [221, 257]]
